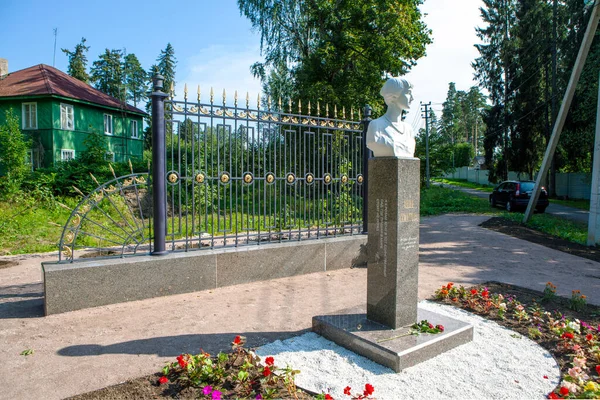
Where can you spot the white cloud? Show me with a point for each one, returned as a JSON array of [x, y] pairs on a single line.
[[450, 55], [222, 67]]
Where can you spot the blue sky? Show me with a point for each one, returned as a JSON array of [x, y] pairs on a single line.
[[213, 44]]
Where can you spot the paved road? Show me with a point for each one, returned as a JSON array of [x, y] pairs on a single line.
[[571, 213]]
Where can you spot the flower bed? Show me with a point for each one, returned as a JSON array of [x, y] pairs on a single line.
[[571, 331]]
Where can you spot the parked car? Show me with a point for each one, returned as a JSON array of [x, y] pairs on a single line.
[[514, 195]]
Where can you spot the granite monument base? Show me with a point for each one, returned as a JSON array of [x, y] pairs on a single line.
[[394, 348]]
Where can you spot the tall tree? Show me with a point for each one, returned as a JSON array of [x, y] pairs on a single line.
[[78, 61], [135, 79], [166, 66], [13, 154], [107, 74], [337, 51]]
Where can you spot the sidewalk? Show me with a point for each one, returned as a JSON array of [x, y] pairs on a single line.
[[89, 349]]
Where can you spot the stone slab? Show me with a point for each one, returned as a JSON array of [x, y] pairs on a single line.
[[85, 284], [393, 266], [351, 329]]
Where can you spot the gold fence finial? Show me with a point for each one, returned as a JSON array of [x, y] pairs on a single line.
[[359, 115], [279, 104], [344, 112], [235, 98], [130, 166], [269, 101], [351, 113], [327, 110], [299, 106], [198, 93], [290, 105], [318, 109], [224, 97], [112, 170], [212, 95], [172, 90], [247, 100], [309, 107], [335, 111], [185, 91], [258, 102]]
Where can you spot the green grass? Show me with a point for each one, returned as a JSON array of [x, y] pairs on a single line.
[[580, 204], [440, 200], [466, 184], [555, 226]]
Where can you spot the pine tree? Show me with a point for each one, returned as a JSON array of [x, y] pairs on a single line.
[[107, 74], [78, 61], [135, 79], [166, 66]]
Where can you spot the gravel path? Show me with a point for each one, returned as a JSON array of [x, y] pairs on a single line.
[[498, 364]]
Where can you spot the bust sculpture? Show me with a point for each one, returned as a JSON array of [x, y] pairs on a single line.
[[389, 136]]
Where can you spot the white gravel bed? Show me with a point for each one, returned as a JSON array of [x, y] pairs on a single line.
[[498, 364]]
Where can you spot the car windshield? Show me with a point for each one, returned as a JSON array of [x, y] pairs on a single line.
[[527, 186]]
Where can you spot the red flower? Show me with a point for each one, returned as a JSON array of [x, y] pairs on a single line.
[[589, 337], [328, 397], [554, 396], [237, 340], [485, 293], [269, 361], [473, 291], [450, 284], [598, 369], [545, 376], [567, 335], [430, 326], [564, 391], [348, 391], [440, 327], [163, 380], [369, 389], [181, 361], [266, 371]]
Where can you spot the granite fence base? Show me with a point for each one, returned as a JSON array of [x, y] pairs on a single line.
[[75, 286]]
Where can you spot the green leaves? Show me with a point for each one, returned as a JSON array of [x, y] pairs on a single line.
[[27, 352]]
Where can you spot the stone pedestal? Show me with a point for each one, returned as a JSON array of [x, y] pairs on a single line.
[[393, 245], [383, 333]]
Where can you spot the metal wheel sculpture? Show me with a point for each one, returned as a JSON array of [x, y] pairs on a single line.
[[111, 221]]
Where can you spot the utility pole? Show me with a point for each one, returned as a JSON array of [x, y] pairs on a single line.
[[54, 56], [505, 59], [425, 110], [552, 188]]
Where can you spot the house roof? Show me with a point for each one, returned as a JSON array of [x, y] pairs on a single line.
[[42, 79]]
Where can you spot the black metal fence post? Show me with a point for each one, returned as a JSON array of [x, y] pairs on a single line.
[[366, 156], [159, 170]]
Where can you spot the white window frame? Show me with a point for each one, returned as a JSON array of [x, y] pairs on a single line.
[[64, 122], [67, 151], [108, 128], [30, 123], [133, 126], [109, 156]]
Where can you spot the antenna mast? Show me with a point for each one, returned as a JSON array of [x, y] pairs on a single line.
[[54, 56]]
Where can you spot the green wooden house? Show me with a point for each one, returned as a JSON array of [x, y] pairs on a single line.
[[58, 112]]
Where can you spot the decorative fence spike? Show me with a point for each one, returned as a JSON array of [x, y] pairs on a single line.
[[130, 166], [344, 112], [318, 109], [198, 93], [258, 102], [172, 90], [78, 191], [94, 179], [289, 106], [224, 97], [279, 104], [309, 107], [112, 170], [247, 100], [327, 110], [185, 92], [335, 111], [212, 95], [299, 106], [235, 99], [269, 102], [351, 113], [64, 206]]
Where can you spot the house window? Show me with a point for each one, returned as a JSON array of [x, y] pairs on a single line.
[[108, 124], [133, 127], [29, 115], [67, 155], [109, 156], [66, 117]]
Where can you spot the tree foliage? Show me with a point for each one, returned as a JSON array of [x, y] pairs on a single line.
[[166, 66], [13, 155], [135, 79], [107, 74], [335, 51], [78, 61]]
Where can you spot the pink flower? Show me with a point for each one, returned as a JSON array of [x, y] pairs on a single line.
[[258, 397], [163, 380], [216, 395], [207, 389], [579, 362]]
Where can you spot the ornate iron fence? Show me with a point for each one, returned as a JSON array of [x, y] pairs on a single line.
[[240, 176], [228, 175]]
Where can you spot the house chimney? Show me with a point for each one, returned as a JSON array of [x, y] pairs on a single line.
[[3, 67]]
